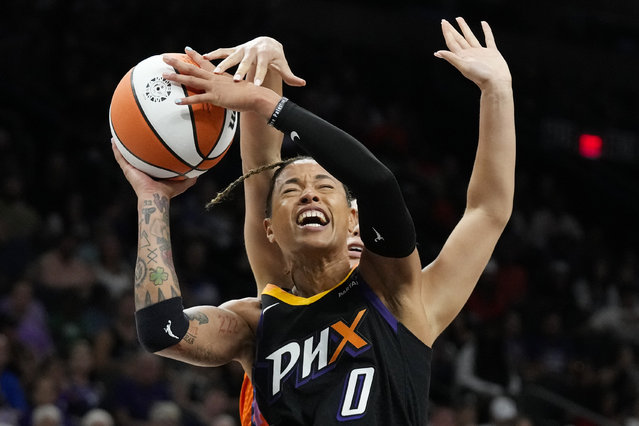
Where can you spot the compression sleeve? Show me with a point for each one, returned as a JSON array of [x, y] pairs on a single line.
[[161, 324], [386, 226]]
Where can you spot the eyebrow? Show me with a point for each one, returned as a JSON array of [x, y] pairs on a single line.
[[295, 180]]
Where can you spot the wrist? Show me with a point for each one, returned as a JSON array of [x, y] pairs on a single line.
[[145, 196], [266, 101], [497, 87]]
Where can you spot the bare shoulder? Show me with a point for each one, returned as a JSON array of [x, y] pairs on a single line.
[[249, 308]]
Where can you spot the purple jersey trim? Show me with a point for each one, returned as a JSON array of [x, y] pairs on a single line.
[[379, 306]]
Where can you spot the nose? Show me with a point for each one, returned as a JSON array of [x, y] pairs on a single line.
[[356, 231], [308, 196]]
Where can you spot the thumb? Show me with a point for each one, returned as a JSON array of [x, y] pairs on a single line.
[[293, 80], [449, 57], [288, 76]]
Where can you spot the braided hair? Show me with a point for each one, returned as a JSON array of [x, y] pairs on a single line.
[[223, 195]]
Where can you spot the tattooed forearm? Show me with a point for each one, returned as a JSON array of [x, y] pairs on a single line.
[[162, 203], [147, 210], [140, 272], [174, 292], [154, 265], [158, 275]]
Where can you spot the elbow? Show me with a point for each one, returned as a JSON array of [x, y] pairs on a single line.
[[497, 217], [496, 209]]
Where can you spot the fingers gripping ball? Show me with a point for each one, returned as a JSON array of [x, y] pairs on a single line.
[[159, 137]]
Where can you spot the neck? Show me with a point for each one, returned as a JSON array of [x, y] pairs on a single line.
[[311, 278]]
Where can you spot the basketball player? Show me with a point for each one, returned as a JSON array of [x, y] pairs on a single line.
[[342, 345]]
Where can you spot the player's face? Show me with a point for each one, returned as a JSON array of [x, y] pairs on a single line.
[[309, 210]]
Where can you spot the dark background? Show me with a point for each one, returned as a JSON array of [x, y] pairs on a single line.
[[370, 69]]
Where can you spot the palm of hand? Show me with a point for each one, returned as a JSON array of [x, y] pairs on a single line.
[[481, 65]]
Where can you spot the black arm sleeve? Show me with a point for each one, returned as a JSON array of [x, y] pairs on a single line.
[[386, 226]]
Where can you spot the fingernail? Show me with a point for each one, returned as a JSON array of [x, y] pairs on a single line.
[[188, 48], [178, 101], [237, 77], [217, 70], [257, 82]]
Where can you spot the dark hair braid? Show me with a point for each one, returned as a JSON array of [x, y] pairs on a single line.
[[223, 195]]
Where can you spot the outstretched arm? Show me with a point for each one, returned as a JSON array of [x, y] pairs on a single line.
[[450, 279], [204, 335], [261, 61]]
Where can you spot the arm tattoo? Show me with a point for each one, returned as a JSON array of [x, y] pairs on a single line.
[[162, 203], [189, 338], [200, 317], [140, 272], [158, 275], [147, 210], [228, 324]]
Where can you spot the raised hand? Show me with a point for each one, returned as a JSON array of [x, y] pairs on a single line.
[[261, 53], [220, 90], [482, 65], [144, 184]]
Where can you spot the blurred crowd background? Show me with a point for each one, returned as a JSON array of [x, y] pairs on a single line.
[[549, 337]]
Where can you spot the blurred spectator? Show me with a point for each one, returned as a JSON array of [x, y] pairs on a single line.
[[118, 340], [13, 401], [97, 417], [550, 352], [223, 420], [482, 368], [620, 319], [200, 284], [19, 222], [64, 284], [30, 319], [165, 413], [142, 383], [60, 269], [80, 392], [47, 415], [112, 270]]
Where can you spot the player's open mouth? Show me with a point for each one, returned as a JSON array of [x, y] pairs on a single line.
[[355, 250], [312, 218]]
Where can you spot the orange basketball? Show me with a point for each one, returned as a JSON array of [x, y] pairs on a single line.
[[159, 137]]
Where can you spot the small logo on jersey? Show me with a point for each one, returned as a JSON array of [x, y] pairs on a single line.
[[348, 287], [294, 135], [311, 356], [168, 331], [378, 238], [157, 89], [269, 307]]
